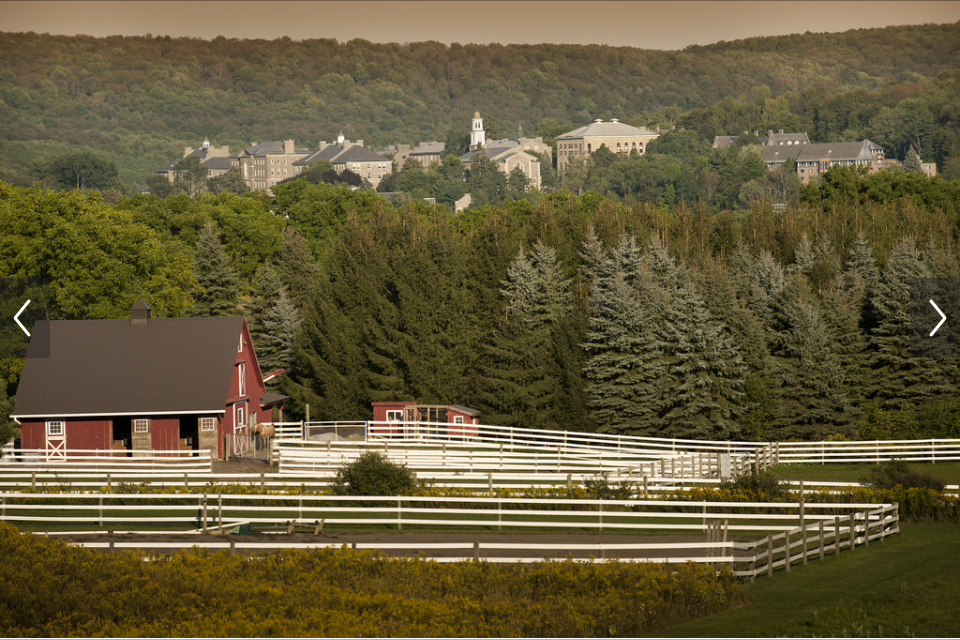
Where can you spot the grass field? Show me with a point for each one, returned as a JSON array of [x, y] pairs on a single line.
[[948, 472], [905, 587]]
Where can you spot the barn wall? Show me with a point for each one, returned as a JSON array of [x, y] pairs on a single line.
[[165, 433], [89, 434], [33, 434]]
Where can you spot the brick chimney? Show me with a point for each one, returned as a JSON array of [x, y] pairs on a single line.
[[288, 147]]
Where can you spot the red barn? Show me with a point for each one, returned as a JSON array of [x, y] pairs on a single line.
[[143, 384], [401, 411]]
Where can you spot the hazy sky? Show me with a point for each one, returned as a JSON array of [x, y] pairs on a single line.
[[651, 25]]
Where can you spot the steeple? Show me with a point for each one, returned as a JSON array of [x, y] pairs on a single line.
[[519, 130], [478, 138]]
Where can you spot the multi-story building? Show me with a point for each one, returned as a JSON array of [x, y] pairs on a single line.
[[507, 154], [349, 154], [815, 159], [771, 139], [264, 165], [616, 136], [216, 160], [426, 153]]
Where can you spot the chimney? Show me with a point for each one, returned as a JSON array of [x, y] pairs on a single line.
[[288, 147], [598, 120], [139, 313], [614, 119], [781, 131]]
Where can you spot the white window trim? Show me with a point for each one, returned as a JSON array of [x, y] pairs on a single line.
[[62, 428], [208, 424], [141, 425], [458, 420], [395, 415], [242, 373]]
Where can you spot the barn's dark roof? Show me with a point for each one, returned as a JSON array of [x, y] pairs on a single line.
[[103, 367]]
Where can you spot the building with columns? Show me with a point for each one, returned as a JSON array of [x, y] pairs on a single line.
[[616, 136]]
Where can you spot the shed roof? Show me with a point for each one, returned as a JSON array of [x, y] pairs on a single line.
[[109, 367]]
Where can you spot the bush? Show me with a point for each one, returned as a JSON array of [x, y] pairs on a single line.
[[762, 486], [372, 474], [897, 472]]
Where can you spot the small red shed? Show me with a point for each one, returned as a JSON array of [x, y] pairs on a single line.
[[408, 411], [143, 384]]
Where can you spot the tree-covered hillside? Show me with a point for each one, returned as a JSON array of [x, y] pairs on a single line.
[[139, 100]]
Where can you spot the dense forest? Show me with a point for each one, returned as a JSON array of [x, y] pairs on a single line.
[[575, 312], [137, 101]]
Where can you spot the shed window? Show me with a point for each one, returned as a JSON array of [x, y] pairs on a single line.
[[141, 425], [395, 416], [457, 419], [55, 428], [208, 424]]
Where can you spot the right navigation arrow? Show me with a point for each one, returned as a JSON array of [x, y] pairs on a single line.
[[943, 318]]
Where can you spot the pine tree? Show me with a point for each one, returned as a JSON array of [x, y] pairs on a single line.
[[266, 291], [298, 268], [216, 277], [766, 283], [275, 341], [624, 365], [898, 380], [703, 398]]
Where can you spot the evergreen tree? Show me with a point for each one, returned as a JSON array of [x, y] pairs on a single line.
[[898, 380], [703, 398], [912, 163], [624, 364], [266, 292], [216, 276], [276, 339], [766, 283], [298, 269]]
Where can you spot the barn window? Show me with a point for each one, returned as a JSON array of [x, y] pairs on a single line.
[[240, 346], [242, 373], [395, 416], [141, 425], [208, 424], [55, 428], [457, 419]]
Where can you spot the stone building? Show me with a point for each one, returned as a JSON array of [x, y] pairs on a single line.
[[616, 136], [507, 154], [349, 154], [264, 165]]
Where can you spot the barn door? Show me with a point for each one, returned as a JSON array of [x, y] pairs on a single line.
[[241, 434], [56, 449]]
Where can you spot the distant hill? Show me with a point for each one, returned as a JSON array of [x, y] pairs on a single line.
[[139, 100]]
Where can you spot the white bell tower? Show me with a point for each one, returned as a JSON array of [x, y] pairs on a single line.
[[478, 138]]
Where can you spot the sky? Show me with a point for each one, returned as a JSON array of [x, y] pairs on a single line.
[[649, 25]]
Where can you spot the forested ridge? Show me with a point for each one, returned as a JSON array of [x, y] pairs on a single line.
[[575, 312], [139, 100]]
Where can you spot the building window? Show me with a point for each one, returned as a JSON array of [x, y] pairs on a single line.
[[208, 424], [141, 425], [395, 416], [457, 419], [56, 428], [240, 346], [241, 416], [242, 375]]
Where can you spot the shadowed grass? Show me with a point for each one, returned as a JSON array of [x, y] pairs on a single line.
[[906, 586]]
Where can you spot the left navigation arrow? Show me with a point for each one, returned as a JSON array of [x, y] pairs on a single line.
[[16, 318]]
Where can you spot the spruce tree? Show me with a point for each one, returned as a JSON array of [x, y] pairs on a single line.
[[220, 292], [276, 339]]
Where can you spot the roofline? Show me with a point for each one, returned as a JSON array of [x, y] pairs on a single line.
[[116, 413]]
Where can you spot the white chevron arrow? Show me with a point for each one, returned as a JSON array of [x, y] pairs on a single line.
[[16, 318], [943, 318]]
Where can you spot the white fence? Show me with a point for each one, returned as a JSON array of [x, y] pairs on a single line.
[[793, 531], [105, 460], [434, 461]]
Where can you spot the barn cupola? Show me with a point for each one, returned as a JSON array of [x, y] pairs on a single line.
[[140, 313]]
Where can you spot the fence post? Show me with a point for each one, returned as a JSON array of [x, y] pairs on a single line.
[[644, 487], [933, 451], [803, 526], [853, 533], [203, 503], [786, 550], [33, 481], [836, 536], [3, 508], [186, 483], [821, 541], [263, 481], [569, 481], [399, 514], [776, 454], [490, 481], [109, 482], [220, 512], [499, 514], [769, 556], [601, 514], [100, 516], [476, 543], [866, 527]]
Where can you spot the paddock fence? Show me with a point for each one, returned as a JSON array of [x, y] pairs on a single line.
[[106, 460]]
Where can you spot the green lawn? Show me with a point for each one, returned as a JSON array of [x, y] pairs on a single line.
[[948, 472], [906, 586]]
